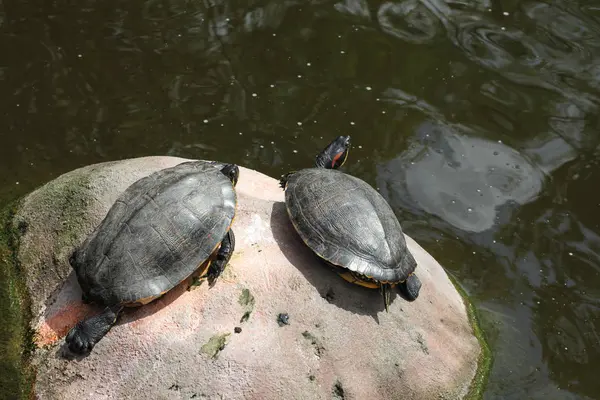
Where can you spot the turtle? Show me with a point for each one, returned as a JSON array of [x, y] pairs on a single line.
[[169, 226], [349, 225]]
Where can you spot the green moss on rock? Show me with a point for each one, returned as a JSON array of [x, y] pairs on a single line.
[[16, 375], [484, 364], [215, 344], [246, 299], [63, 205]]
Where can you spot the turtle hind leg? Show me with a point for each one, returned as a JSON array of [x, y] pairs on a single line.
[[232, 171], [223, 256], [284, 179], [84, 336], [386, 292], [410, 287]]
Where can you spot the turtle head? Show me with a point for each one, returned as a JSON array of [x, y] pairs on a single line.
[[232, 172], [335, 154]]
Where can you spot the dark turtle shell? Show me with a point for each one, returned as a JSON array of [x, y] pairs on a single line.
[[348, 224], [157, 233]]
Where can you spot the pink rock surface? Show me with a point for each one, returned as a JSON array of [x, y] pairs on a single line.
[[340, 343]]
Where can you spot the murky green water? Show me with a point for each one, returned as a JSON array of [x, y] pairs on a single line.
[[478, 120]]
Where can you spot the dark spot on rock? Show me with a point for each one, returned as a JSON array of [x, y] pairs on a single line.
[[22, 227], [421, 341], [330, 295], [85, 298], [316, 343], [237, 329], [312, 377], [338, 391], [283, 319], [174, 387], [245, 317]]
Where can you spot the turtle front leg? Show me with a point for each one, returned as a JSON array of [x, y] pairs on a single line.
[[410, 287], [84, 336], [284, 179], [223, 256]]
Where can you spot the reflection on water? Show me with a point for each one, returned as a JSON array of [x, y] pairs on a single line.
[[461, 179], [478, 120]]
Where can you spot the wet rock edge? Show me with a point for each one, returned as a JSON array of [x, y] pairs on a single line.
[[485, 359]]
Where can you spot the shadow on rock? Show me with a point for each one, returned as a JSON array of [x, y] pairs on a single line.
[[67, 308], [331, 286]]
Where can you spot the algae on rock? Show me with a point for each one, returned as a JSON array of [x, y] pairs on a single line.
[[215, 344], [15, 373]]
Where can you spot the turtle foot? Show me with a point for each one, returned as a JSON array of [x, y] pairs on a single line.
[[284, 180], [386, 292], [410, 287], [223, 256], [231, 171], [82, 338]]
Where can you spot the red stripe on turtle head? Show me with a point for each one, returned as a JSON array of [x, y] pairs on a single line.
[[336, 157]]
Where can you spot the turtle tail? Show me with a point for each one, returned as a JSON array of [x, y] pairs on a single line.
[[386, 292]]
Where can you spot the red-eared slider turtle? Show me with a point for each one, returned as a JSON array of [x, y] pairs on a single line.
[[349, 224], [166, 227]]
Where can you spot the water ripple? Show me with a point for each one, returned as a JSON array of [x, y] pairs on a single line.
[[408, 20], [494, 46]]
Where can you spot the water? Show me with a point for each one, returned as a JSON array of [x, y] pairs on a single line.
[[477, 120]]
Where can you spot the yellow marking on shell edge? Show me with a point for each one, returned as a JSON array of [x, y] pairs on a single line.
[[201, 271], [146, 300], [348, 276]]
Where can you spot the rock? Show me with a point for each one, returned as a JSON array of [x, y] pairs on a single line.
[[339, 343]]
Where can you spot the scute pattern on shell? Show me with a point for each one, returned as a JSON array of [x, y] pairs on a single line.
[[348, 223], [157, 233]]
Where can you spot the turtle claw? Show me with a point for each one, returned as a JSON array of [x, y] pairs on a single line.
[[82, 338], [231, 171], [78, 340], [223, 256], [284, 180], [410, 287], [386, 292]]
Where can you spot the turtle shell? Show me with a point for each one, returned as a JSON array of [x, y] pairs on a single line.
[[157, 233], [348, 224]]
